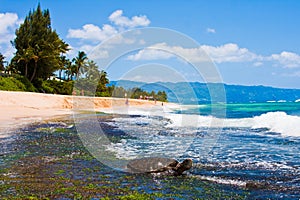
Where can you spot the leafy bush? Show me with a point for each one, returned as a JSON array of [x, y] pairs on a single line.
[[46, 87], [103, 94], [57, 87], [11, 84], [28, 85]]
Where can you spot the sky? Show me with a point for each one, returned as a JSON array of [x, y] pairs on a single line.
[[247, 42]]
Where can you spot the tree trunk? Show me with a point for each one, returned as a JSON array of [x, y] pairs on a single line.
[[34, 72], [26, 70]]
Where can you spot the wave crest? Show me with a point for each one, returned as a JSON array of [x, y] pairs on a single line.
[[279, 122]]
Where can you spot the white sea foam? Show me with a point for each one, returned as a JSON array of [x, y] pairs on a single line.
[[222, 180], [250, 165], [279, 122]]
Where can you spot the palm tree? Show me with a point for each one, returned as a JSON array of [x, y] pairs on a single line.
[[68, 69], [26, 55], [80, 61], [92, 72], [73, 71], [63, 61]]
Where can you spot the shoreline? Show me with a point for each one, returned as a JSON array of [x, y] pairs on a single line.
[[23, 108]]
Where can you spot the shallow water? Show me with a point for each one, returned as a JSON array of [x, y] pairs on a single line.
[[49, 160]]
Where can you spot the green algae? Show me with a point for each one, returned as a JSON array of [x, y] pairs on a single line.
[[53, 163]]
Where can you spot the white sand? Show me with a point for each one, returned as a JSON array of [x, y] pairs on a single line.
[[19, 108]]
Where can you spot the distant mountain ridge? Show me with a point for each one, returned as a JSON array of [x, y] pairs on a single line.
[[195, 92]]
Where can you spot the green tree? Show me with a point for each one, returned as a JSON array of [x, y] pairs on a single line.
[[91, 80], [2, 62], [62, 66], [162, 96], [92, 71], [103, 78], [10, 69], [25, 55], [102, 89], [69, 69], [80, 63], [38, 46]]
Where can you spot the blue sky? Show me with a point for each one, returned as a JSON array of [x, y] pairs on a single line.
[[250, 42]]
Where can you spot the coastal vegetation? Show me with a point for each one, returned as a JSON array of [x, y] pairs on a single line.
[[41, 64], [138, 93]]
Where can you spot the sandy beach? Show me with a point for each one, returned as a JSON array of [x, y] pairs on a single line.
[[19, 108]]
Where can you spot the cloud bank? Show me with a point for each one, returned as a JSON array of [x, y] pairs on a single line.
[[227, 53], [8, 24], [287, 59]]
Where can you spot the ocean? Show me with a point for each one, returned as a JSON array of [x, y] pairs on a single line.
[[256, 146], [239, 151]]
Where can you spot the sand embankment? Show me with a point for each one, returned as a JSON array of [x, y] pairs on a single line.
[[18, 108]]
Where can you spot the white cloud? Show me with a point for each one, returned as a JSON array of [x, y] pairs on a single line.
[[257, 64], [118, 19], [163, 51], [99, 54], [119, 39], [7, 50], [150, 54], [229, 53], [286, 59], [225, 53], [92, 32], [210, 30], [8, 23]]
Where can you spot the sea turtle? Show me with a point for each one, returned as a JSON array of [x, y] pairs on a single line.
[[166, 166]]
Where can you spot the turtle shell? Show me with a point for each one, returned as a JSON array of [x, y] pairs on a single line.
[[143, 165]]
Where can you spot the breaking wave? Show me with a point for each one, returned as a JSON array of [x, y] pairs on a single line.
[[279, 122]]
